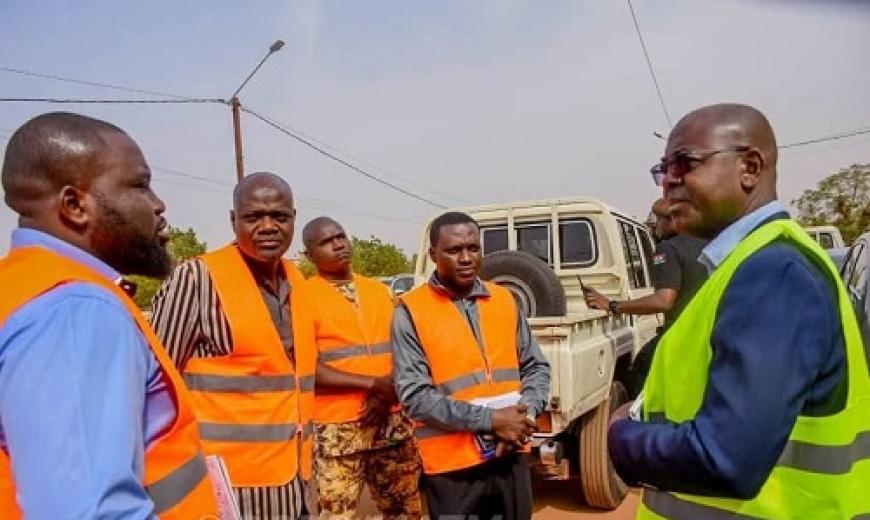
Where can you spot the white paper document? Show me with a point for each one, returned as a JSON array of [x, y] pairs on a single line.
[[228, 508], [498, 401]]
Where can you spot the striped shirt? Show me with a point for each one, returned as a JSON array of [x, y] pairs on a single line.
[[189, 320]]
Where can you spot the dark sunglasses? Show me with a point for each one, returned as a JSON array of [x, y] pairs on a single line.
[[681, 162]]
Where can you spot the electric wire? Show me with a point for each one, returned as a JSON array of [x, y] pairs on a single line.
[[358, 159], [110, 101], [834, 137], [334, 157], [22, 72], [652, 72]]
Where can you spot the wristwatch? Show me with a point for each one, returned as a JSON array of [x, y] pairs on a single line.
[[612, 305]]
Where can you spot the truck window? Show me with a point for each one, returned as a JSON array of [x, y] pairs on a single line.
[[633, 261], [535, 239], [826, 240], [856, 278], [648, 250], [577, 242], [495, 239]]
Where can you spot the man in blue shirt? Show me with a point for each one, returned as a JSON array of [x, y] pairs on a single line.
[[777, 342], [82, 395]]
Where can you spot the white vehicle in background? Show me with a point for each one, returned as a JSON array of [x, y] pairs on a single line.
[[541, 250], [856, 276], [398, 284], [828, 237]]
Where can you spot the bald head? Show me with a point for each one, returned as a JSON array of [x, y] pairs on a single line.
[[721, 166], [328, 247], [735, 123], [257, 181], [312, 231], [263, 218], [49, 152]]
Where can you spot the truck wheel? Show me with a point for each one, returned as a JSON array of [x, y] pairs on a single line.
[[601, 486], [534, 285]]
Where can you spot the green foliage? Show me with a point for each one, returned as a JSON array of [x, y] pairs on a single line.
[[842, 200], [371, 257], [182, 246], [306, 267]]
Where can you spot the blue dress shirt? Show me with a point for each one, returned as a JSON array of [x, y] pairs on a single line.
[[778, 352], [81, 398]]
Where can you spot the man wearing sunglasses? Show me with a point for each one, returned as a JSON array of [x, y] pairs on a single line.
[[676, 275], [758, 399]]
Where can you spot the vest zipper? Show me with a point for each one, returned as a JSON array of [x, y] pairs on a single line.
[[481, 343], [357, 307]]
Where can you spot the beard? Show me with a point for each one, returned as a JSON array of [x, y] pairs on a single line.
[[124, 246]]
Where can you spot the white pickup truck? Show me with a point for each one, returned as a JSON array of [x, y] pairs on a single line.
[[541, 250]]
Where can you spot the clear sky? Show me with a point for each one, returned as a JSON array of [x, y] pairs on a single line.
[[463, 102]]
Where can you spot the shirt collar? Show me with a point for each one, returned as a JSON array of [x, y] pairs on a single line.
[[477, 291], [25, 237], [720, 247]]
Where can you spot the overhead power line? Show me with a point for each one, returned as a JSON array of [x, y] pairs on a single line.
[[362, 161], [334, 157], [312, 202], [652, 72], [170, 171], [111, 101], [22, 72], [826, 139]]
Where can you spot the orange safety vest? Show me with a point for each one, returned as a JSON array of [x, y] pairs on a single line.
[[175, 477], [253, 406], [351, 338], [460, 367]]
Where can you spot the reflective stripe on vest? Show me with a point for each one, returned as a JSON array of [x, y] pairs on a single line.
[[247, 432], [461, 367], [478, 378], [175, 477], [350, 337], [815, 458], [250, 404], [824, 467], [171, 489], [355, 351]]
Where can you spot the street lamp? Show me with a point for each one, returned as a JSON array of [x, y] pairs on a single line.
[[235, 105]]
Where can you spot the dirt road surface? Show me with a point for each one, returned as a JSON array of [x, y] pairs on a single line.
[[558, 500], [553, 501]]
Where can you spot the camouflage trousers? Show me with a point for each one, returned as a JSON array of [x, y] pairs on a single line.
[[392, 474]]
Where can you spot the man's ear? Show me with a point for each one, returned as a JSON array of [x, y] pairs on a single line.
[[432, 254], [232, 221], [751, 165], [75, 206]]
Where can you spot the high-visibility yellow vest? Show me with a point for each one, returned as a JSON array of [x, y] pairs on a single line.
[[824, 469]]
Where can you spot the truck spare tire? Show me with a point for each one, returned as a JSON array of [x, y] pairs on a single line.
[[533, 283]]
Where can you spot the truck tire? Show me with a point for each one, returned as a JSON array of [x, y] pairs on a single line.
[[602, 487], [534, 285]]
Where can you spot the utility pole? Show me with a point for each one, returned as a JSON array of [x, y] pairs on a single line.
[[237, 134], [236, 105]]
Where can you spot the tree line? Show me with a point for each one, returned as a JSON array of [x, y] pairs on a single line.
[[371, 257]]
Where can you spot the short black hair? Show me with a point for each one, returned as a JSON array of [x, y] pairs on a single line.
[[448, 219]]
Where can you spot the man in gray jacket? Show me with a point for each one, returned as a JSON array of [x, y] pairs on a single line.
[[476, 397]]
